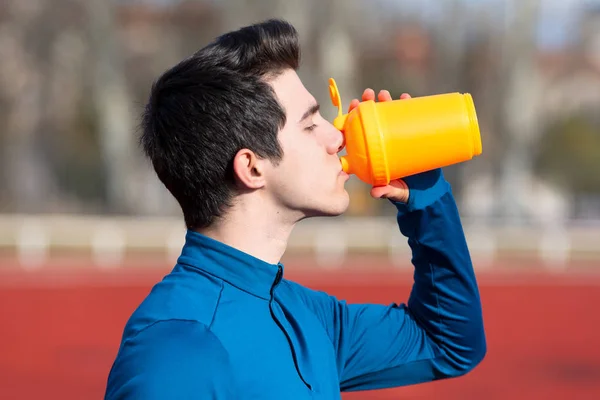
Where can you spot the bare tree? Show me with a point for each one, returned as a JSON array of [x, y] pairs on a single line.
[[25, 41], [112, 102], [520, 108]]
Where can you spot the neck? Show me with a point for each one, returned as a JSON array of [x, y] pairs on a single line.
[[253, 228]]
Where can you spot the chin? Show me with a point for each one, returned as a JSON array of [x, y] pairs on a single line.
[[338, 205], [330, 207]]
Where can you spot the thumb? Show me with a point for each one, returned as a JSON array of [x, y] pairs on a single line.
[[381, 191], [397, 190]]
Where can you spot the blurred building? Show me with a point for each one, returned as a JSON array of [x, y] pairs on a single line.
[[72, 88]]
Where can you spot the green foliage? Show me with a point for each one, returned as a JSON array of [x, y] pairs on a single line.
[[569, 154]]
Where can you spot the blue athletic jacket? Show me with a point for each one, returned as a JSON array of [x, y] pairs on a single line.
[[225, 325]]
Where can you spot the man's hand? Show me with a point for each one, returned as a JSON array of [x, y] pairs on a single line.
[[397, 190]]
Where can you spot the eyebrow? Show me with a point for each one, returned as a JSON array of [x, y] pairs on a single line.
[[311, 111]]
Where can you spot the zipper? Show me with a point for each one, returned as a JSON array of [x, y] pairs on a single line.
[[294, 356], [277, 279]]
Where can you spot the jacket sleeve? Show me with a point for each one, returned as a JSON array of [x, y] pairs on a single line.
[[173, 359], [439, 332]]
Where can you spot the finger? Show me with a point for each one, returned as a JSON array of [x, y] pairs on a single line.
[[353, 104], [405, 96], [397, 190], [384, 95], [381, 191], [368, 94], [399, 183]]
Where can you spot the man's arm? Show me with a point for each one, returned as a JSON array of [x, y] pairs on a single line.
[[174, 359], [439, 333]]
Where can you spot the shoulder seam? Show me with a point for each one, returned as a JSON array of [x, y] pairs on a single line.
[[212, 320], [165, 320]]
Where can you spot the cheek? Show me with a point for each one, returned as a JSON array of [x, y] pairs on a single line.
[[306, 151], [307, 161]]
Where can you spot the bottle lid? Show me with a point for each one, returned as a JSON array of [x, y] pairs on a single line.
[[371, 161], [336, 100]]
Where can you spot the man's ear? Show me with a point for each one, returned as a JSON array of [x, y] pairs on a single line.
[[248, 169]]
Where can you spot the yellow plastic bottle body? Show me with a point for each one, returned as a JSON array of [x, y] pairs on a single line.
[[395, 139]]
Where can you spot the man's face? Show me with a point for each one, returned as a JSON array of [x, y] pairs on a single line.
[[309, 179]]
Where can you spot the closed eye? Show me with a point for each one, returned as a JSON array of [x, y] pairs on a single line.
[[311, 128]]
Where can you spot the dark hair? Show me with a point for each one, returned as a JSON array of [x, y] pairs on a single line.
[[206, 108]]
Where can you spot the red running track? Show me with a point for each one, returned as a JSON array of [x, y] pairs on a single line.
[[60, 332]]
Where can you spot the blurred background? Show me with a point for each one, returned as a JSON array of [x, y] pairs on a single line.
[[86, 228]]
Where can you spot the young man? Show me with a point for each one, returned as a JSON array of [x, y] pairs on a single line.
[[239, 142]]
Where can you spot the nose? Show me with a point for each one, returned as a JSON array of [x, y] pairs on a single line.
[[337, 142]]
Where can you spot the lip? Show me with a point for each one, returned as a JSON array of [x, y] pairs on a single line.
[[343, 174]]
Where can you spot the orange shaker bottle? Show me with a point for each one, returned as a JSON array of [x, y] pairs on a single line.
[[394, 139]]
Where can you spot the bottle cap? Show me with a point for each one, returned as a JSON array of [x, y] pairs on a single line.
[[336, 100], [370, 158]]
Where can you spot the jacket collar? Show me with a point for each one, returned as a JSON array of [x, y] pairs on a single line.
[[240, 269]]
